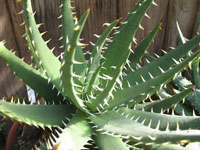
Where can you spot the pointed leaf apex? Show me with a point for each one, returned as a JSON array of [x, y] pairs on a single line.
[[160, 28], [89, 8]]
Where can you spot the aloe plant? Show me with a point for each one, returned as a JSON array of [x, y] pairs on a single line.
[[181, 82], [97, 103]]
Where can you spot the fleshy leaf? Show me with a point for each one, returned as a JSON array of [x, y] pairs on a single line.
[[161, 121], [147, 88], [94, 61], [162, 147], [25, 72], [67, 30], [163, 63], [182, 83], [113, 123], [49, 62], [164, 104], [34, 57], [114, 59], [195, 69], [70, 87], [38, 115], [76, 134], [107, 142], [142, 48]]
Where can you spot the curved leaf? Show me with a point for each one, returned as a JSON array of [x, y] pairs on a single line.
[[69, 87], [161, 121], [113, 123], [49, 62], [75, 135], [163, 147], [107, 142], [38, 115], [164, 104], [196, 76], [39, 82], [67, 30], [142, 48], [117, 54], [163, 63], [34, 57], [94, 61], [147, 88]]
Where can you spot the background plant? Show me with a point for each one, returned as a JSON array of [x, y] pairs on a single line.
[[96, 103]]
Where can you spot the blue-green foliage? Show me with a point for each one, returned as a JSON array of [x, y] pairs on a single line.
[[103, 102]]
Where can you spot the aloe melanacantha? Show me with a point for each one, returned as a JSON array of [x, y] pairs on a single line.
[[101, 101]]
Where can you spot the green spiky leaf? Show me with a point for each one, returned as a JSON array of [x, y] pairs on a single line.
[[195, 69], [76, 134], [25, 72], [38, 115], [106, 142], [147, 88], [162, 147], [94, 61], [165, 62], [109, 99], [164, 104], [113, 123], [68, 23], [135, 58], [161, 121], [50, 63], [70, 87], [34, 57], [113, 57]]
